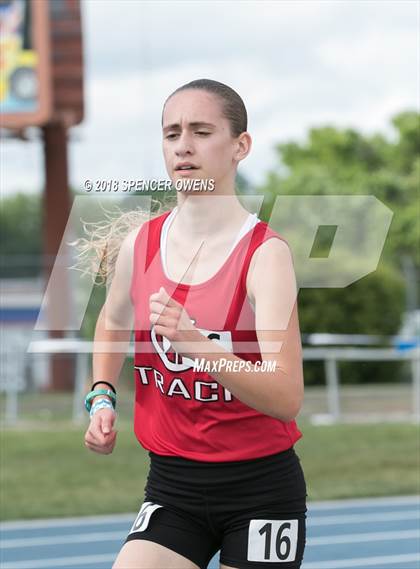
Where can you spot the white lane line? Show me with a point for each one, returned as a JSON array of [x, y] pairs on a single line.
[[105, 536], [310, 522], [360, 562], [117, 536], [359, 518], [336, 564], [365, 502], [364, 537], [83, 560], [68, 522], [122, 518]]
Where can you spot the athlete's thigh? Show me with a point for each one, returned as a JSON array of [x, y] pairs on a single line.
[[141, 554], [167, 536], [265, 539]]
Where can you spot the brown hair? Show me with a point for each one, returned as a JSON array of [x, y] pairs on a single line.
[[233, 107]]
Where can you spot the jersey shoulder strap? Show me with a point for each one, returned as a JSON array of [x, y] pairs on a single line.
[[260, 233]]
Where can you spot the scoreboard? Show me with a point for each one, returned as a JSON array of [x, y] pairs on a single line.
[[41, 63]]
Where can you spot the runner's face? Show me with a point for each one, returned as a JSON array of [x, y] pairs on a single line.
[[195, 131]]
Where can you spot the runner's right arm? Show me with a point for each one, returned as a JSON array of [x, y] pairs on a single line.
[[115, 321], [111, 341]]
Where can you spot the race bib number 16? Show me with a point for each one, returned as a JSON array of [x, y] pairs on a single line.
[[272, 540]]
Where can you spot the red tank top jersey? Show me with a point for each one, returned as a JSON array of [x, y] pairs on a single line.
[[179, 411]]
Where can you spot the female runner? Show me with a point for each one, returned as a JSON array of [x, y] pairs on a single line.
[[207, 284]]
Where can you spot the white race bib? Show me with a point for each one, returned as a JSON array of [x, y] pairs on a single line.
[[272, 540]]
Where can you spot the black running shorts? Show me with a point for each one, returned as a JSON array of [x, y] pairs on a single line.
[[253, 511]]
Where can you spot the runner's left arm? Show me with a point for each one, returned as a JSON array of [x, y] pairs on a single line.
[[276, 393]]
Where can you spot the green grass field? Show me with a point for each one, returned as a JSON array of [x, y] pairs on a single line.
[[50, 473]]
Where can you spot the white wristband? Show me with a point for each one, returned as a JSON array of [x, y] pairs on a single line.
[[100, 404]]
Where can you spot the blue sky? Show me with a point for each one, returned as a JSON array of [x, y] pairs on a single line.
[[297, 65]]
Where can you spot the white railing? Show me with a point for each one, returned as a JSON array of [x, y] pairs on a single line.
[[330, 355], [333, 355]]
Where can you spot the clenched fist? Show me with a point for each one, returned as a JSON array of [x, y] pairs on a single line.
[[100, 436], [171, 320]]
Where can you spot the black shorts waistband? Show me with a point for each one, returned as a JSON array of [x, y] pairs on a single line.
[[166, 468], [276, 477], [198, 464]]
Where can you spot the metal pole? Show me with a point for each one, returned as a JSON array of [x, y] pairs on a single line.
[[333, 393], [82, 368], [14, 371], [415, 370], [11, 404]]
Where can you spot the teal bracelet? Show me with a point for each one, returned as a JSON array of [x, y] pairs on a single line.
[[92, 394]]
